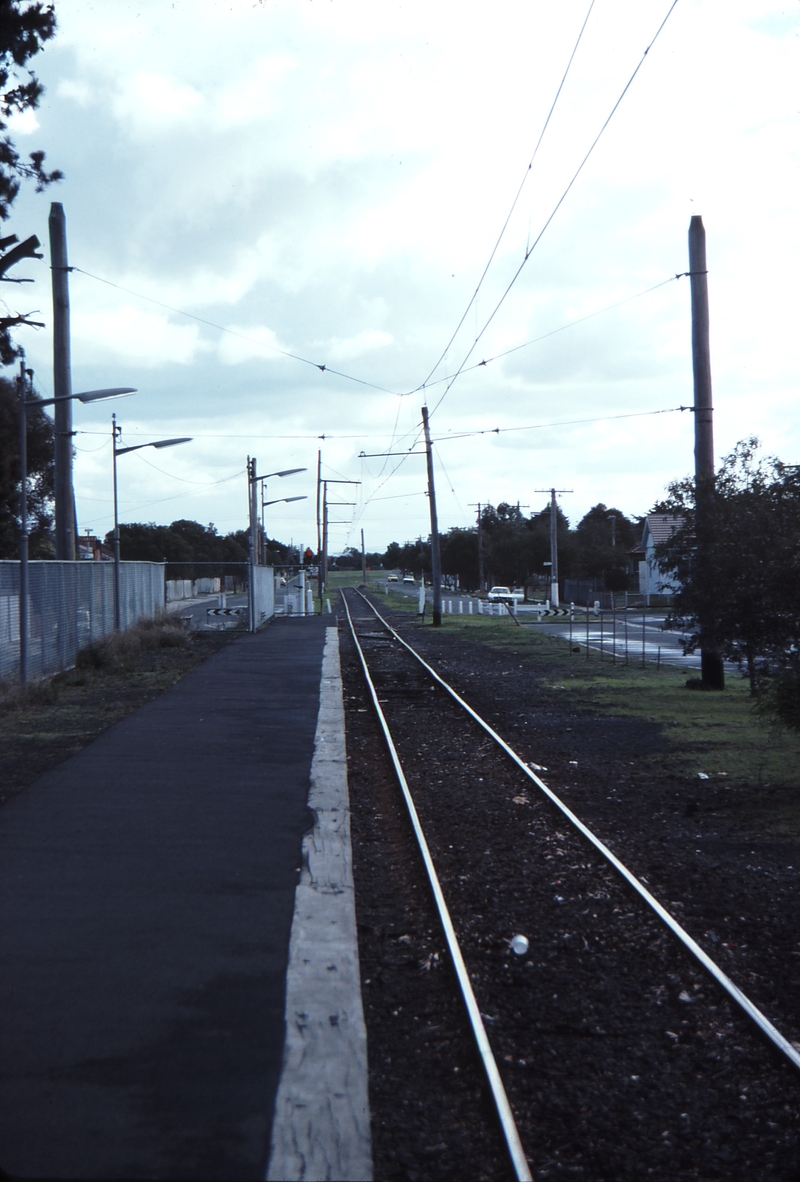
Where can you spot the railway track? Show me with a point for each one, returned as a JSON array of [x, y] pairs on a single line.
[[610, 1043]]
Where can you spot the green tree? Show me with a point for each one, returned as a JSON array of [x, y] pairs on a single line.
[[746, 588], [187, 542], [602, 545], [40, 476], [24, 28], [459, 553]]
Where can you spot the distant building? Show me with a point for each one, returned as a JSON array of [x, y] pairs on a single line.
[[92, 549], [658, 528]]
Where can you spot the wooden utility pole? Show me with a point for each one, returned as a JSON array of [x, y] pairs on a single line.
[[363, 561], [436, 566], [320, 580], [323, 566], [554, 541], [62, 385], [711, 666]]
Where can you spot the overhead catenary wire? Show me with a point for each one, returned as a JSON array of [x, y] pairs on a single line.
[[562, 328], [500, 236], [530, 249], [183, 479], [232, 332]]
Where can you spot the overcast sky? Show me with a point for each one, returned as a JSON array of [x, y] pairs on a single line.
[[330, 177]]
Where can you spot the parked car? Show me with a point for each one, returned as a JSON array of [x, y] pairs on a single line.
[[505, 595], [391, 578], [409, 579]]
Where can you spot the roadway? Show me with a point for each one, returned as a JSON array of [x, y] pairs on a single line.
[[640, 635]]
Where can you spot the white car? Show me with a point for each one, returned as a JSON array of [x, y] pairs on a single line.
[[409, 579], [504, 594], [391, 578]]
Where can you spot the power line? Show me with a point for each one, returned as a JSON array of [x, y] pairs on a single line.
[[232, 332], [516, 198], [638, 414], [563, 327], [530, 249], [199, 483]]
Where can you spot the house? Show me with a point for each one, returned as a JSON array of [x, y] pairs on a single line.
[[658, 528]]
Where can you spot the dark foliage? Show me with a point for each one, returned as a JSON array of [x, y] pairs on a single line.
[[189, 547], [515, 549], [40, 477], [24, 28], [739, 571], [603, 538]]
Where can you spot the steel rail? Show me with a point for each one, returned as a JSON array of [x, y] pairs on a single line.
[[720, 976], [507, 1122]]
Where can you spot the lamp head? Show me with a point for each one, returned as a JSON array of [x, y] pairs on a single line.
[[100, 395]]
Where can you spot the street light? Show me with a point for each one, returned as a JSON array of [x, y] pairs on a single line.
[[121, 451], [277, 501], [24, 402]]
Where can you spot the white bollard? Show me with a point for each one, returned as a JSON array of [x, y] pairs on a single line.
[[461, 607]]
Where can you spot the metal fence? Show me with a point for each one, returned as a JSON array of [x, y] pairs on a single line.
[[227, 592], [70, 604]]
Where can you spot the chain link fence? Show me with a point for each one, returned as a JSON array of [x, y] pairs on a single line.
[[71, 604]]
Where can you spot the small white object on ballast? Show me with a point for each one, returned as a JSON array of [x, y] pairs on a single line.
[[519, 945]]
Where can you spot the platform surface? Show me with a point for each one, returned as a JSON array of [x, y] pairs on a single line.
[[147, 889]]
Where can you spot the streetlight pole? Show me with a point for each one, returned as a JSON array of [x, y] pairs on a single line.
[[254, 550], [116, 432], [24, 403]]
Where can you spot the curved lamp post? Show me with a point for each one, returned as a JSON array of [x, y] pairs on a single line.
[[25, 400], [254, 548], [116, 431], [278, 501]]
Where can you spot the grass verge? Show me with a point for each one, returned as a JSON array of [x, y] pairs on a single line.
[[52, 719], [716, 735]]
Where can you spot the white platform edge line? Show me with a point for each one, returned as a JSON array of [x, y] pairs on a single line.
[[321, 1128]]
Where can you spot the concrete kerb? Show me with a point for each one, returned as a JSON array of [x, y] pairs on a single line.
[[321, 1128]]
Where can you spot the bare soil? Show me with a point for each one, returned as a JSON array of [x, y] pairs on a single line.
[[621, 1058]]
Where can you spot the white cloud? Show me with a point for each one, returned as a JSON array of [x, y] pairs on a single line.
[[130, 334], [335, 175], [23, 123]]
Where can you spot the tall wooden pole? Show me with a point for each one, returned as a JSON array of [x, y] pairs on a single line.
[[553, 549], [436, 567], [324, 564], [62, 385], [319, 529], [363, 561], [711, 666]]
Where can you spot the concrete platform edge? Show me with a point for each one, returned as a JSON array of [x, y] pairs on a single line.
[[321, 1128]]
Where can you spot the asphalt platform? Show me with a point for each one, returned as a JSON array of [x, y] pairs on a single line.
[[147, 888]]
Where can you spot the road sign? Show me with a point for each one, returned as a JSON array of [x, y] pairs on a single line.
[[226, 611]]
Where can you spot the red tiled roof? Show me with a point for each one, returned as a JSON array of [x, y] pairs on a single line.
[[662, 526]]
